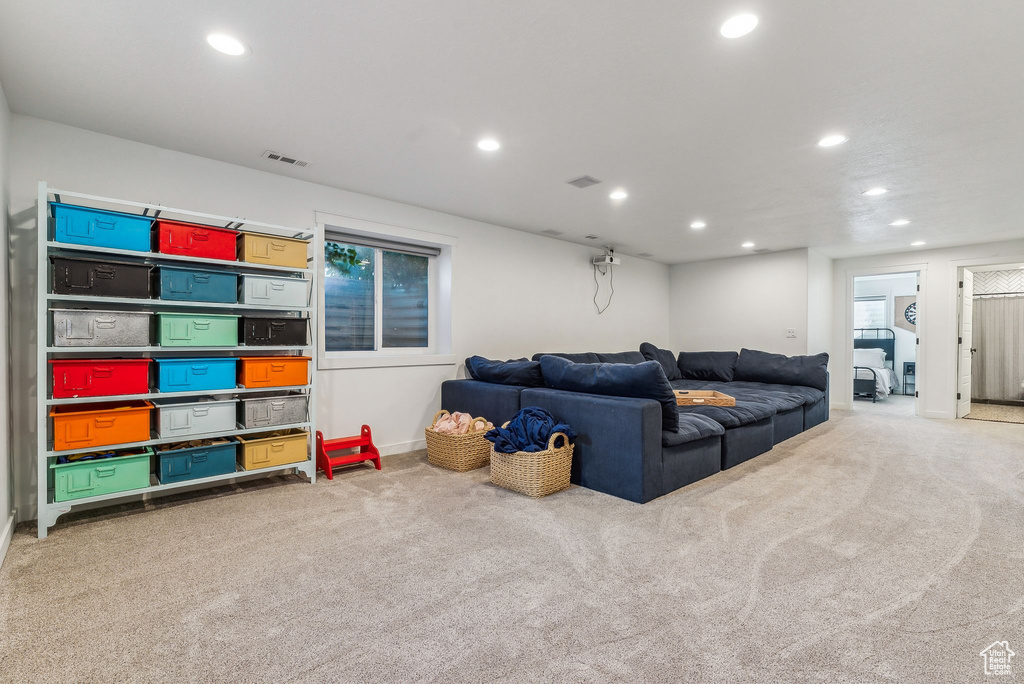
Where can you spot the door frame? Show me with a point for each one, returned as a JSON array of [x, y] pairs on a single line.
[[847, 347]]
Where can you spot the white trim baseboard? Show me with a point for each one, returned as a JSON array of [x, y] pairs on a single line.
[[402, 447], [5, 538]]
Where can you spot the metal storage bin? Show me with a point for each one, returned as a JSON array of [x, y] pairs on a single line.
[[192, 239], [272, 250], [99, 377], [194, 460], [271, 410], [92, 425], [187, 418], [274, 371], [79, 479], [191, 285], [100, 278], [89, 328], [197, 330], [274, 449], [195, 374], [266, 330], [101, 228], [271, 291]]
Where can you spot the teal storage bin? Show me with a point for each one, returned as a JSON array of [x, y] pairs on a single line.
[[81, 479], [181, 462], [100, 228], [191, 285], [195, 374], [197, 330]]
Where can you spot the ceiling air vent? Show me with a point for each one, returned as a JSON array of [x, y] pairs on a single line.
[[551, 232], [291, 161], [763, 250], [645, 255], [591, 237], [583, 182]]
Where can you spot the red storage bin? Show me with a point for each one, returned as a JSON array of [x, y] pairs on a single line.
[[192, 239], [99, 377]]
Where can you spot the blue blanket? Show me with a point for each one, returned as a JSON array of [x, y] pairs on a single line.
[[529, 430]]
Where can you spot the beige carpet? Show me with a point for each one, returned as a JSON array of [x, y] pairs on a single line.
[[871, 549], [996, 412]]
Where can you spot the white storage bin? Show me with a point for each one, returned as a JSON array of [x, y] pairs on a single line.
[[272, 291], [188, 418], [87, 328]]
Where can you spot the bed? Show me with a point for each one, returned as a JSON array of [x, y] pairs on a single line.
[[874, 363]]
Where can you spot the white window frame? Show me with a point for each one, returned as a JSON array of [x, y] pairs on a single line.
[[873, 298], [439, 305]]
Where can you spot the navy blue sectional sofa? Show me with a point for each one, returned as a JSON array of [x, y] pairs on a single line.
[[622, 449]]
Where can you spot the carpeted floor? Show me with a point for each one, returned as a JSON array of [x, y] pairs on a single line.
[[874, 548], [996, 412]]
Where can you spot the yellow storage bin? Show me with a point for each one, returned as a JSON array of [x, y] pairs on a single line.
[[273, 251], [269, 449]]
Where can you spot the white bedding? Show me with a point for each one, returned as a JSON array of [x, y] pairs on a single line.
[[885, 380]]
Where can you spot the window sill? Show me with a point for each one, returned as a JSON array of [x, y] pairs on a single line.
[[385, 361]]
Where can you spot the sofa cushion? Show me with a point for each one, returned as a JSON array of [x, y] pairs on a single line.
[[692, 426], [663, 356], [759, 366], [808, 394], [621, 357], [707, 365], [514, 372], [577, 357], [642, 381], [743, 413]]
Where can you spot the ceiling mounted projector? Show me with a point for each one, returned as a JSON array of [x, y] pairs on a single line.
[[606, 259]]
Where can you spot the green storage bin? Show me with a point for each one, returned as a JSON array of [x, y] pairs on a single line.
[[103, 476], [197, 330]]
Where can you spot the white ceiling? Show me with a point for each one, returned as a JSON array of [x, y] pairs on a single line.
[[389, 98]]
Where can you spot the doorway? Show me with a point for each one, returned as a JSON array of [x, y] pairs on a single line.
[[990, 352], [886, 342]]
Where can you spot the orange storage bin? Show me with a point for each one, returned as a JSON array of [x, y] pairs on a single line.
[[94, 425], [274, 371]]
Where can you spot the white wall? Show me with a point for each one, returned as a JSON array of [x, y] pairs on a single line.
[[936, 312], [890, 287], [819, 302], [747, 301], [513, 293], [6, 479]]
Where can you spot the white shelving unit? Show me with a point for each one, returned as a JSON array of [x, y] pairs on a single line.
[[49, 510]]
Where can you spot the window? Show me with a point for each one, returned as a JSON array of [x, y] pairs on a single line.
[[869, 312], [376, 296]]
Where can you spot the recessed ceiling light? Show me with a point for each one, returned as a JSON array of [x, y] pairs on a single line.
[[747, 245], [619, 194], [221, 42], [899, 222], [489, 145], [697, 225], [740, 25], [917, 244], [874, 192], [832, 140]]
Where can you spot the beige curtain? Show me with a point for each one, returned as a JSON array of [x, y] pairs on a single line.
[[997, 369]]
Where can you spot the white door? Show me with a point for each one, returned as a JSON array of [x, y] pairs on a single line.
[[966, 343]]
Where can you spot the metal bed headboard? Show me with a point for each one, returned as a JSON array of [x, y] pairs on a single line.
[[877, 338]]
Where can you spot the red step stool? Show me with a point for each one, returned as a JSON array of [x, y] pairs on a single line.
[[364, 441]]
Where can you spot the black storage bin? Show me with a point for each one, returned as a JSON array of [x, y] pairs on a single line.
[[100, 278], [264, 330]]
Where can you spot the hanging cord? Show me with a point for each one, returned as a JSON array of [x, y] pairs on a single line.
[[597, 288]]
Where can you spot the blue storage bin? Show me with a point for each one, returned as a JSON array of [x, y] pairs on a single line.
[[189, 375], [213, 457], [101, 228], [191, 285]]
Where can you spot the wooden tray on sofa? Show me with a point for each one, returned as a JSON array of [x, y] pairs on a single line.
[[703, 398]]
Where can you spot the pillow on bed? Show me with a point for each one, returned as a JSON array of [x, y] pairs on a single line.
[[869, 358]]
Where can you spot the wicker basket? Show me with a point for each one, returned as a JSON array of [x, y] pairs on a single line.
[[535, 474], [458, 452]]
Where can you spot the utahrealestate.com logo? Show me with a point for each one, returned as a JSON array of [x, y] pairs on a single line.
[[997, 659]]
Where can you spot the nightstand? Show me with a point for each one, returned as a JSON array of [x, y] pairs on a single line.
[[909, 376]]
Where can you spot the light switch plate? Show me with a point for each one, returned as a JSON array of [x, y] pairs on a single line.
[[791, 332]]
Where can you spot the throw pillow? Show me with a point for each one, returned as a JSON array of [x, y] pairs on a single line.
[[709, 365], [514, 372], [663, 356]]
